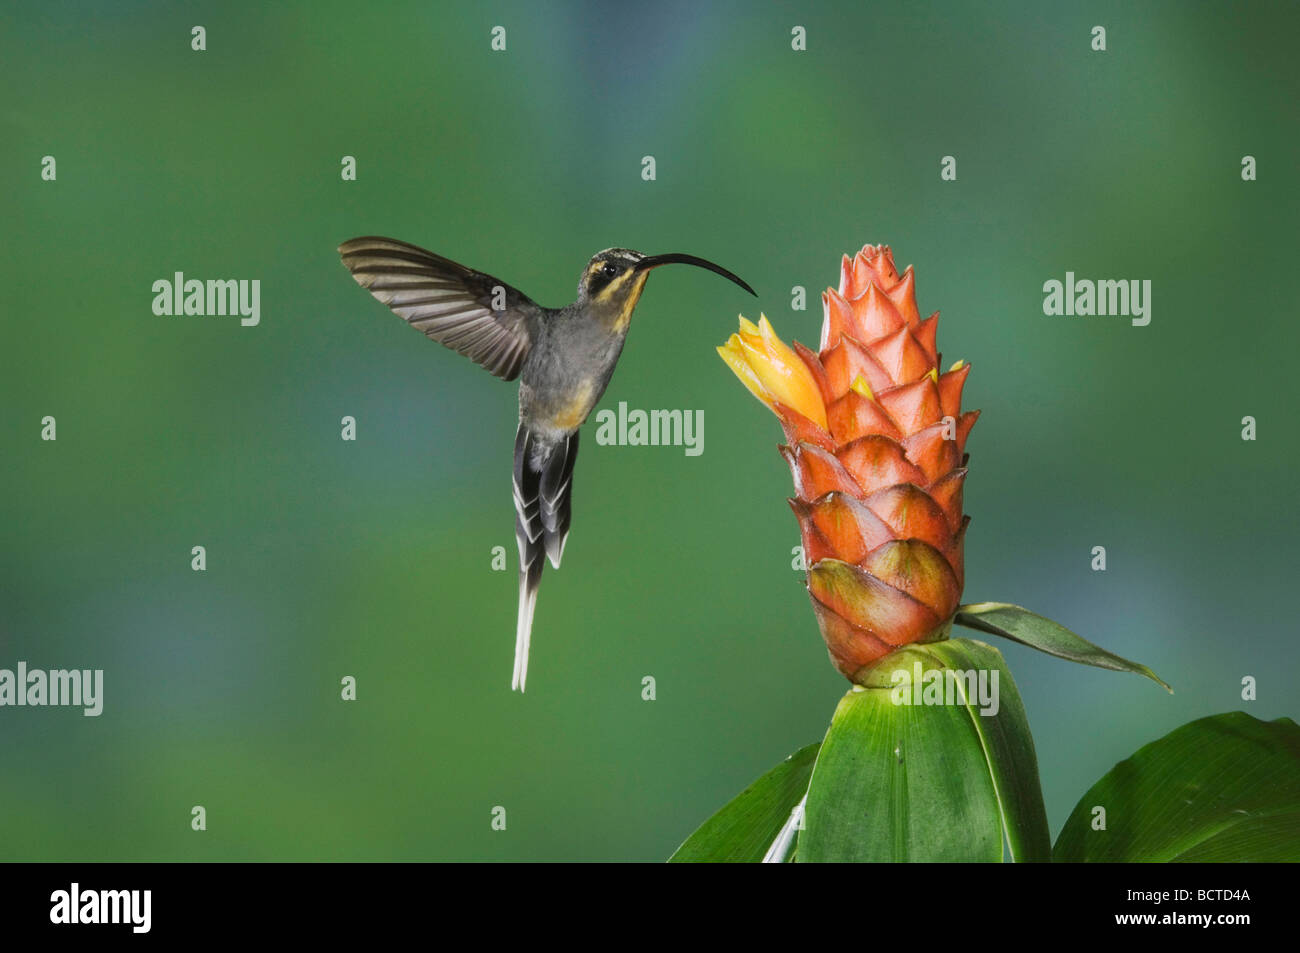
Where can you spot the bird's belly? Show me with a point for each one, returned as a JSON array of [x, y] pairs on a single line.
[[562, 412], [561, 388], [569, 414]]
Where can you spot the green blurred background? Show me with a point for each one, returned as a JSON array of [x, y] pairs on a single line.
[[372, 558]]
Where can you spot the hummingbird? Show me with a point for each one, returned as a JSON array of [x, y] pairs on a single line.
[[563, 359]]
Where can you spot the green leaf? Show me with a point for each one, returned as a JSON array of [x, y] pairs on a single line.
[[1008, 749], [901, 782], [744, 829], [1223, 788], [1027, 628]]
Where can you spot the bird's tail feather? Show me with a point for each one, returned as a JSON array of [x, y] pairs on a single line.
[[543, 487], [528, 582]]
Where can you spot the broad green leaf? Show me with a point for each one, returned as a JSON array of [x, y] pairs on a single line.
[[1223, 788], [901, 782], [1027, 628], [744, 829], [1008, 748]]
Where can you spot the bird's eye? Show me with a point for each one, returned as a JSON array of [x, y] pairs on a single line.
[[610, 270]]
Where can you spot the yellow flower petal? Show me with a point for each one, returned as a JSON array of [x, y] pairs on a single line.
[[735, 358], [772, 371]]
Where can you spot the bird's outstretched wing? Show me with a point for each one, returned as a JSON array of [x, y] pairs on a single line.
[[472, 313]]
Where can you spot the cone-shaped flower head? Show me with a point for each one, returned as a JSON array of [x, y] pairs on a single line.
[[876, 444]]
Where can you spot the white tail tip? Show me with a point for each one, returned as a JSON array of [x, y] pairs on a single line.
[[523, 634]]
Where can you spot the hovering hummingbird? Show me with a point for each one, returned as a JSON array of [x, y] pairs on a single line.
[[563, 358]]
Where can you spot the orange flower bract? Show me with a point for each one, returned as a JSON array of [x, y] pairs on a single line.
[[876, 445]]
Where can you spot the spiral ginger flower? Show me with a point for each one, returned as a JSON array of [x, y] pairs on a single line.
[[876, 445]]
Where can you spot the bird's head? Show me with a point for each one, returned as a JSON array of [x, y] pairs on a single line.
[[614, 278]]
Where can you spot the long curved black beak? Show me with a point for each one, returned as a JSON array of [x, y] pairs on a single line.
[[654, 261]]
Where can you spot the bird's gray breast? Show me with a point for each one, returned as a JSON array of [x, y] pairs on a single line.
[[566, 373]]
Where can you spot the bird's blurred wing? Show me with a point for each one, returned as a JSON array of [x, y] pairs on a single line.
[[472, 313]]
